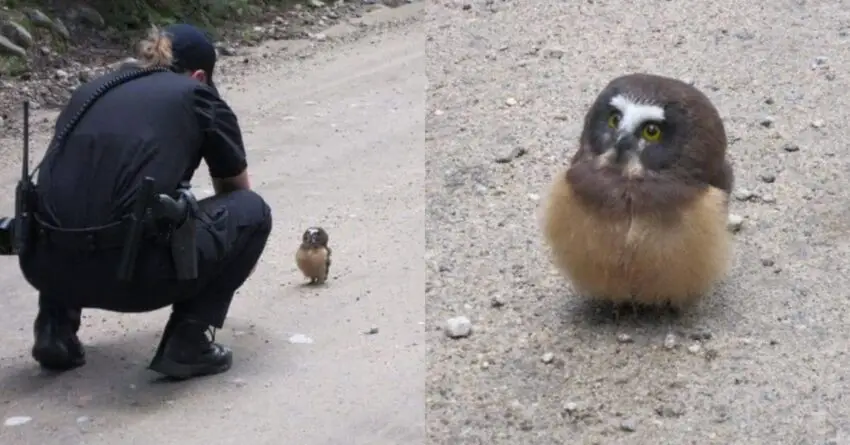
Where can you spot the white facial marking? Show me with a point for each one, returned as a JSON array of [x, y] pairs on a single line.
[[635, 112], [606, 158], [634, 168]]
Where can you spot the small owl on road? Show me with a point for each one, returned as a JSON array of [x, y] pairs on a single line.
[[314, 256], [640, 214]]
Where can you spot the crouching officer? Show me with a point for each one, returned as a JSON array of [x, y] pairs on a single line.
[[123, 146]]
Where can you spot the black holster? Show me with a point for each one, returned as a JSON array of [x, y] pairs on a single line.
[[181, 213], [176, 215]]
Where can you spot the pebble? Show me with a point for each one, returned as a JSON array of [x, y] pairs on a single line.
[[85, 75], [767, 178], [670, 411], [791, 147], [534, 196], [497, 302], [625, 338], [767, 121], [570, 407], [554, 53], [735, 222], [17, 420], [372, 330], [547, 358], [510, 156], [628, 425], [511, 102], [768, 199], [458, 327], [226, 50], [694, 348], [701, 335], [439, 112], [818, 123], [744, 195], [767, 262], [300, 339], [670, 341]]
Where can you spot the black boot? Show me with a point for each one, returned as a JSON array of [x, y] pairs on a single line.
[[57, 346], [185, 350]]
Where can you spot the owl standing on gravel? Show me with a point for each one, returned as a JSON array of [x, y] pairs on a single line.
[[640, 214], [314, 256]]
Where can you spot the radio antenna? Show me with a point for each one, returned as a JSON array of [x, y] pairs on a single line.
[[25, 162]]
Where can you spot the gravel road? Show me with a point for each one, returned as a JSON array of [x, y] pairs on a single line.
[[760, 361], [334, 132]]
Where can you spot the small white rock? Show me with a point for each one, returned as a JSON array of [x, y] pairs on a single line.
[[744, 194], [300, 339], [439, 112], [17, 420], [694, 348], [570, 407], [534, 197], [735, 222], [818, 123], [458, 327], [547, 358], [511, 101], [670, 341], [624, 338]]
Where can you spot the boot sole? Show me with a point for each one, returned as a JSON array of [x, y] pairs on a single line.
[[180, 371]]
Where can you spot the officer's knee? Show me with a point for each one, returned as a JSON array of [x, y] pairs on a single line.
[[259, 211]]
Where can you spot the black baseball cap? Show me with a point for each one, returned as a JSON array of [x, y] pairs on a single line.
[[192, 50]]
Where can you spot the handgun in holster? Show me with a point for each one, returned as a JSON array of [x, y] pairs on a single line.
[[178, 213]]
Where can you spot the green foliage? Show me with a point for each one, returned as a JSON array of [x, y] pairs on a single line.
[[12, 66], [130, 18], [136, 15]]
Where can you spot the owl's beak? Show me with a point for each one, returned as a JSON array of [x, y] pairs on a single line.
[[625, 143]]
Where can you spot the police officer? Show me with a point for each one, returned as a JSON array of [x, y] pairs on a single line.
[[160, 125]]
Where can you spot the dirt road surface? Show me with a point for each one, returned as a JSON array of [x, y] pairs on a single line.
[[764, 359], [334, 138]]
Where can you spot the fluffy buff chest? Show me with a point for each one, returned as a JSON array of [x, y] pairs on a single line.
[[642, 258], [313, 263]]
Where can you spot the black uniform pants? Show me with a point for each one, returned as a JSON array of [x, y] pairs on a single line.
[[232, 231]]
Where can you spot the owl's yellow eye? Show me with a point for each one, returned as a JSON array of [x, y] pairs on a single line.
[[651, 132], [614, 119]]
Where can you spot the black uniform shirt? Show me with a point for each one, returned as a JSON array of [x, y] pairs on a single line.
[[160, 125]]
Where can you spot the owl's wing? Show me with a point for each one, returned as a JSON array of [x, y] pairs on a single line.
[[328, 260], [578, 155], [724, 179]]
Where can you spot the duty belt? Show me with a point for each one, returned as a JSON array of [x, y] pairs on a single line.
[[153, 216], [91, 239]]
